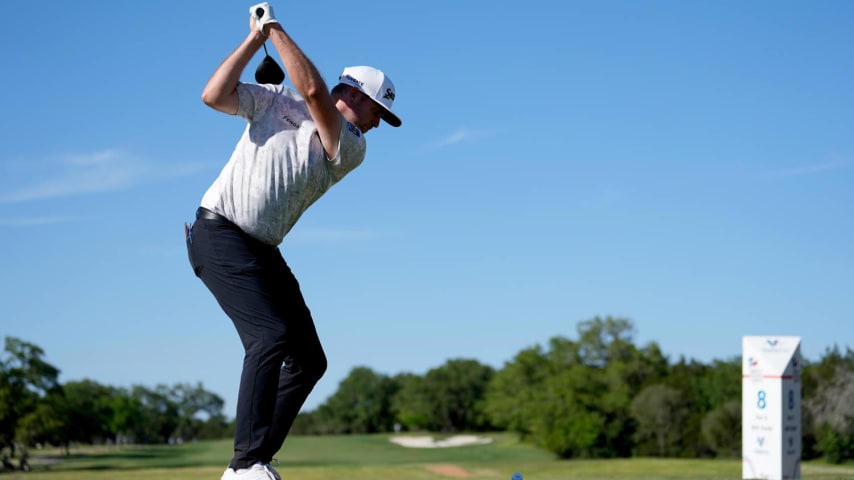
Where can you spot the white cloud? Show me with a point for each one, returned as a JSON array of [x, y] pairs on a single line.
[[810, 169], [79, 174], [456, 137], [462, 134], [91, 159]]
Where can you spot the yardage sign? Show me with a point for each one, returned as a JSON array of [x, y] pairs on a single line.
[[771, 407]]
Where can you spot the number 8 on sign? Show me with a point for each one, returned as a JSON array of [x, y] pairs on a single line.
[[760, 399]]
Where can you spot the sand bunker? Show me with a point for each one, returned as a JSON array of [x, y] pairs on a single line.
[[429, 442]]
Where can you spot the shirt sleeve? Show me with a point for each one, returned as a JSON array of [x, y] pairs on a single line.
[[253, 100], [351, 151]]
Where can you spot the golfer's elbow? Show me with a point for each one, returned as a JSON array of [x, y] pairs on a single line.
[[220, 100], [212, 97], [315, 94]]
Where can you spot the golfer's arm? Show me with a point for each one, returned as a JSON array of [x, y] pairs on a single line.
[[307, 80], [220, 92]]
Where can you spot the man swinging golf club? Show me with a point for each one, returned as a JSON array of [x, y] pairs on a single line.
[[297, 144]]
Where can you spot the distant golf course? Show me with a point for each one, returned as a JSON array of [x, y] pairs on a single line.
[[374, 457]]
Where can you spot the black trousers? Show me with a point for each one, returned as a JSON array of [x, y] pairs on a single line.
[[283, 357]]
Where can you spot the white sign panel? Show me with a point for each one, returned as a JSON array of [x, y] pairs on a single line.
[[771, 408]]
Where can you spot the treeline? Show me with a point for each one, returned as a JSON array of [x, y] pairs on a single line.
[[597, 396], [36, 409]]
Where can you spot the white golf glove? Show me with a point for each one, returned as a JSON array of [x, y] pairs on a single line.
[[263, 15]]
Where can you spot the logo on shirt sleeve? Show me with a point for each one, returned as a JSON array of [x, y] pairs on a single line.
[[290, 121], [354, 130]]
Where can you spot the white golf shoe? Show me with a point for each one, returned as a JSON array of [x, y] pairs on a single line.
[[259, 471]]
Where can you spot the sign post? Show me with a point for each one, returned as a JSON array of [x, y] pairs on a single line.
[[771, 408]]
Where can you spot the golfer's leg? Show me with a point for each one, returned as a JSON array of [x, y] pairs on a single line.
[[295, 384], [256, 399], [236, 271], [304, 364]]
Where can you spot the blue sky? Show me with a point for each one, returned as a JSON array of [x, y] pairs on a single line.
[[687, 165]]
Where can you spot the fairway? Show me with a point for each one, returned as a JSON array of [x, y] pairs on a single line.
[[374, 457]]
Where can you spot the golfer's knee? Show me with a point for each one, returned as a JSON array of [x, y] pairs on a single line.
[[314, 367], [320, 367], [310, 368]]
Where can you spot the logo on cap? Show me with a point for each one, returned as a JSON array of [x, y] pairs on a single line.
[[353, 80], [389, 93]]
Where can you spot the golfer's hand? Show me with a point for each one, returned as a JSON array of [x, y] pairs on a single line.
[[260, 16]]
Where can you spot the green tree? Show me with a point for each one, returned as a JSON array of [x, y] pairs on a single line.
[[77, 412], [85, 407], [685, 376], [719, 384], [829, 406], [411, 403], [605, 341], [362, 403], [625, 371], [127, 416], [457, 390], [43, 425], [514, 390], [573, 398], [660, 411], [158, 414], [24, 378], [721, 429], [449, 398], [199, 412], [568, 420]]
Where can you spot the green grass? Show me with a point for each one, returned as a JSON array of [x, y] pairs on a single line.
[[363, 457]]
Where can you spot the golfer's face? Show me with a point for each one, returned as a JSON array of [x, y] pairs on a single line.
[[368, 112]]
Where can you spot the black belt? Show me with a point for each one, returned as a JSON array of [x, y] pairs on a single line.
[[205, 214]]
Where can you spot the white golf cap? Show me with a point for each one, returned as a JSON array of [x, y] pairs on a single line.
[[375, 84]]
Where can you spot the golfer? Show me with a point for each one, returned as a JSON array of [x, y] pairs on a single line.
[[297, 144]]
